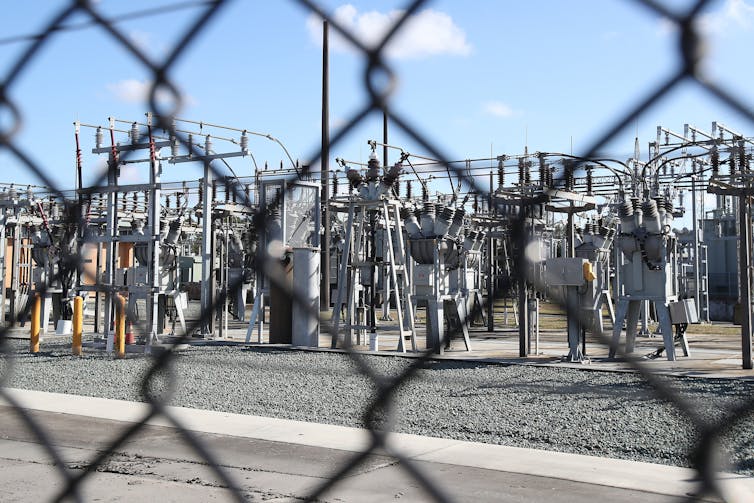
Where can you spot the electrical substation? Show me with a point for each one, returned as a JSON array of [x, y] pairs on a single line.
[[390, 257]]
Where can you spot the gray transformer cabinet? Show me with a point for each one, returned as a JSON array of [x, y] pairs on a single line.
[[649, 273], [292, 209]]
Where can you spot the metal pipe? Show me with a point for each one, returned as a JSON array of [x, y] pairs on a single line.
[[78, 325], [36, 309]]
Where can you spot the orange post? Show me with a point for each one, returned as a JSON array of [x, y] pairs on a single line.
[[120, 326], [78, 324], [36, 308]]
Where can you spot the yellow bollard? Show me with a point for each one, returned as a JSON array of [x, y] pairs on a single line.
[[78, 324], [120, 326], [36, 308]]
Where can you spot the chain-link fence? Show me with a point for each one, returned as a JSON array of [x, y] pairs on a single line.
[[379, 90]]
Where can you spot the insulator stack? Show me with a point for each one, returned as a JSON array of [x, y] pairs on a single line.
[[589, 182], [409, 190], [233, 196], [476, 203], [527, 172], [649, 208], [568, 174], [732, 164], [174, 146], [625, 209], [500, 174], [227, 189], [542, 171], [178, 200], [521, 174], [715, 161], [397, 188], [425, 193], [335, 185], [742, 164], [201, 190], [134, 133], [98, 137], [208, 145], [214, 190]]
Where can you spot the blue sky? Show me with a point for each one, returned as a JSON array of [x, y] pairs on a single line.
[[475, 77]]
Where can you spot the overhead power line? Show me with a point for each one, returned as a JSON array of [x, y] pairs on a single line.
[[127, 16]]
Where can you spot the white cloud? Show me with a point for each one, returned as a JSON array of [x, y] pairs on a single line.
[[141, 39], [138, 91], [130, 173], [427, 33], [734, 14], [498, 109]]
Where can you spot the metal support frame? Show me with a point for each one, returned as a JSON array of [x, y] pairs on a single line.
[[396, 259], [207, 286]]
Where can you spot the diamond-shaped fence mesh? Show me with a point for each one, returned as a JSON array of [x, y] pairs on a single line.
[[379, 83]]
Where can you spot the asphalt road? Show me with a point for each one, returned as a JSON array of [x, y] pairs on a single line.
[[157, 464]]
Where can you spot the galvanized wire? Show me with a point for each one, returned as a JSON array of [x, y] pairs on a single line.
[[379, 81]]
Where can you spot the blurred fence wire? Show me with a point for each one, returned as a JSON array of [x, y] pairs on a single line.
[[379, 82]]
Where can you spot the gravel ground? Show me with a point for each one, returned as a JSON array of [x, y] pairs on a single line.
[[580, 411]]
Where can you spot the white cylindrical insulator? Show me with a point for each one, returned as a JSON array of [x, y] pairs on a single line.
[[174, 146], [626, 214], [638, 217], [443, 219], [244, 142], [207, 145], [134, 133], [412, 226], [98, 137], [428, 219]]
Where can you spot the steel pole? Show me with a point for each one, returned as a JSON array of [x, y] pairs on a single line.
[[490, 276], [207, 286], [745, 271], [324, 298], [695, 227]]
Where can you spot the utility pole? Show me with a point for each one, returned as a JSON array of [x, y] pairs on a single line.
[[324, 298]]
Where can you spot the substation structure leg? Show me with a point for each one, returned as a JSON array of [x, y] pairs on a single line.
[[462, 311], [435, 325], [575, 354], [628, 310], [403, 306], [257, 314]]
